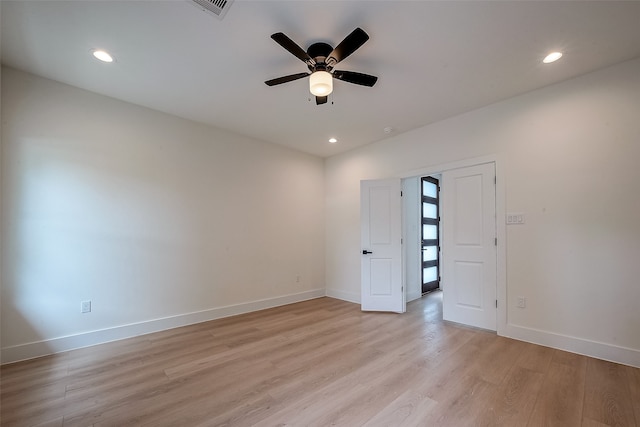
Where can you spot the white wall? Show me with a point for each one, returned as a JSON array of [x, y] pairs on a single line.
[[570, 157], [411, 231], [157, 220]]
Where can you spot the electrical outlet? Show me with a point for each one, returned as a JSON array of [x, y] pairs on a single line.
[[522, 302], [85, 307]]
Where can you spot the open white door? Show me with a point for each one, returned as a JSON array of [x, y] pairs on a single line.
[[381, 239], [468, 219]]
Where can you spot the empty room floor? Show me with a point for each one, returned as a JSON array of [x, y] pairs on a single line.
[[318, 363]]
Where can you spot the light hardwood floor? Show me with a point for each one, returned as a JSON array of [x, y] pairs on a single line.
[[319, 363]]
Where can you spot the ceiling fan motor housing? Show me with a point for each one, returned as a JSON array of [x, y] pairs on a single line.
[[319, 52]]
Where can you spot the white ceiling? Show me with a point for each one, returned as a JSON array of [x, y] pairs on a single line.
[[433, 59]]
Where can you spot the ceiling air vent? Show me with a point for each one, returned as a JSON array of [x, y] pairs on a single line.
[[217, 7]]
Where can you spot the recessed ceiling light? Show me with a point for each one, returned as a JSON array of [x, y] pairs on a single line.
[[102, 55], [552, 57], [333, 140]]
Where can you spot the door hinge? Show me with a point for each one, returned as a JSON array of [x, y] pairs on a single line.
[[401, 194], [401, 241], [495, 179], [495, 241], [496, 303]]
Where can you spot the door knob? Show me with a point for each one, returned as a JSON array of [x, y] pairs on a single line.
[[364, 252]]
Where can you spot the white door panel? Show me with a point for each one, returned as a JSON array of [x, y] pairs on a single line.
[[381, 234], [468, 248]]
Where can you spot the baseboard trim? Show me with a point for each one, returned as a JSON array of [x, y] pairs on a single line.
[[598, 350], [345, 296], [56, 345]]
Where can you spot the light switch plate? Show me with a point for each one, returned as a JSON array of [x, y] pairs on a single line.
[[515, 218]]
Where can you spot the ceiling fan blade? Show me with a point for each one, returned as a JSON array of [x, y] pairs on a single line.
[[321, 100], [293, 48], [357, 78], [347, 46], [285, 79]]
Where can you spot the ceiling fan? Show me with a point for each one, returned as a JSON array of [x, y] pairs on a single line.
[[321, 59]]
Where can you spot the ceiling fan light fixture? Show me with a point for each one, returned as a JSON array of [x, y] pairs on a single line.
[[321, 83]]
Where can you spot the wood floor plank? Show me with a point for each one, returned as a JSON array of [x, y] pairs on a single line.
[[512, 403], [495, 359], [195, 403], [633, 379], [409, 409], [291, 386], [461, 404], [380, 391], [320, 362], [173, 400], [607, 398], [535, 357], [30, 374], [57, 422], [458, 364], [588, 422], [560, 401], [339, 400]]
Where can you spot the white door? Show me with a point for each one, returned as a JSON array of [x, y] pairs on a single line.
[[468, 219], [381, 246]]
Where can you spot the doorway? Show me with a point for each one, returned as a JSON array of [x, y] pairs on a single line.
[[469, 258], [471, 263], [430, 234]]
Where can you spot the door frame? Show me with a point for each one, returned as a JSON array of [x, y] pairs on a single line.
[[435, 221], [501, 232]]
